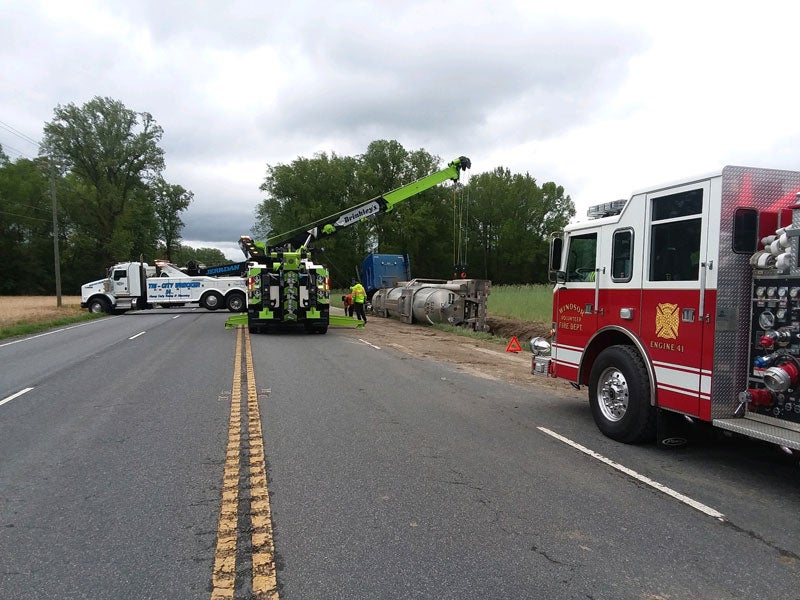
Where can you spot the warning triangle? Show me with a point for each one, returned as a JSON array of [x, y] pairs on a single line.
[[513, 345]]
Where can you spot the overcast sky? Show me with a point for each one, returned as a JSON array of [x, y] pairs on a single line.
[[601, 97]]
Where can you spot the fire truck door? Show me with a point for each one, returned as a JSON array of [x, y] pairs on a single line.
[[577, 299], [620, 277], [677, 294]]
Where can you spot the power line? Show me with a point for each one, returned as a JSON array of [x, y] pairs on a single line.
[[3, 212], [19, 134], [47, 210], [17, 150]]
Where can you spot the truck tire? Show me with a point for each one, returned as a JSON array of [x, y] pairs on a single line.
[[212, 301], [619, 395], [236, 302], [99, 305]]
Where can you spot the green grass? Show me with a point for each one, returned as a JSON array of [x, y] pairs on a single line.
[[523, 302], [39, 326]]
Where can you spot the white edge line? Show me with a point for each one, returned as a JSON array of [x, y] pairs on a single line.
[[368, 344], [644, 479], [17, 395], [33, 337], [133, 337]]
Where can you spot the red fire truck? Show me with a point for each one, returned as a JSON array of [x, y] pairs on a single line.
[[683, 300]]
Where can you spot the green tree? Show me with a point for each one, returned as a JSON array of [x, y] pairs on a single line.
[[505, 218], [26, 227], [169, 200], [204, 256], [305, 191], [111, 154], [510, 217], [419, 227]]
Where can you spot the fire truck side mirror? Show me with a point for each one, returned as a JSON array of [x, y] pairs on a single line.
[[554, 262]]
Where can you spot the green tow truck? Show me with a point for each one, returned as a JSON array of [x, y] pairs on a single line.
[[284, 284]]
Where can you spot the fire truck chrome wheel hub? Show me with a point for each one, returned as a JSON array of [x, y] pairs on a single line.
[[612, 394]]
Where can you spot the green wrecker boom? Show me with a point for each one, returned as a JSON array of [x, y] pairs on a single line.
[[285, 286]]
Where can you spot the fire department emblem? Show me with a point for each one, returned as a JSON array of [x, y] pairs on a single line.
[[667, 321]]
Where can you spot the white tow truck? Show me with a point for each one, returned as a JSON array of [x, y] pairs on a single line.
[[138, 285]]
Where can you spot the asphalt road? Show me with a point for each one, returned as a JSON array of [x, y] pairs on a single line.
[[389, 477]]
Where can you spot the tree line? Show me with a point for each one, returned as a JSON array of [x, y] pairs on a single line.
[[495, 227], [103, 163]]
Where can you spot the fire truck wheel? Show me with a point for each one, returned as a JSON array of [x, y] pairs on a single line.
[[619, 394], [235, 302], [99, 305], [212, 301]]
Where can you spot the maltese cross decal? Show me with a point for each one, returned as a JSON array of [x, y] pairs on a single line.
[[667, 321]]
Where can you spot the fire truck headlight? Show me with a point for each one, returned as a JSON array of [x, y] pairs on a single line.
[[540, 346]]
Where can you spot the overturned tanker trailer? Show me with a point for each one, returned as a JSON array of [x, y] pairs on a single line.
[[459, 302]]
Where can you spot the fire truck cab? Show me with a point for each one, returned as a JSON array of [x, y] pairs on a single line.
[[656, 306]]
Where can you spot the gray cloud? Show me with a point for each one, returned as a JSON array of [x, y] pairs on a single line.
[[216, 226], [472, 80]]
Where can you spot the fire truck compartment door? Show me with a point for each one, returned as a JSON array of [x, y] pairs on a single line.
[[679, 294]]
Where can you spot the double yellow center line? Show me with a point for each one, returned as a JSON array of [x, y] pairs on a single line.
[[241, 454]]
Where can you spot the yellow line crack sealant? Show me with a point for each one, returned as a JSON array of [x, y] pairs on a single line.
[[261, 546]]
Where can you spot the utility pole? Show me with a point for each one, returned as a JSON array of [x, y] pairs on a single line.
[[57, 258]]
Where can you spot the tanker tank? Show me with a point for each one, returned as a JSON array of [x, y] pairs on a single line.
[[459, 302]]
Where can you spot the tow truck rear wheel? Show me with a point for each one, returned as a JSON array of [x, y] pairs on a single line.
[[235, 302], [212, 301], [99, 305], [619, 395]]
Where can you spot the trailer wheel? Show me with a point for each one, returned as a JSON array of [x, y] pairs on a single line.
[[235, 302], [619, 395], [212, 301], [99, 305]]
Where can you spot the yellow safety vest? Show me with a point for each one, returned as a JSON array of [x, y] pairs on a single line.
[[359, 294]]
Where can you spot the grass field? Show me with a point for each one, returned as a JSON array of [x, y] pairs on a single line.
[[523, 302], [22, 315]]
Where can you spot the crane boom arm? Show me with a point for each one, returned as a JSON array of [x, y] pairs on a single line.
[[329, 225]]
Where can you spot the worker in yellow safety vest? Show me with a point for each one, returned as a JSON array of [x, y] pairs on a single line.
[[359, 297]]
